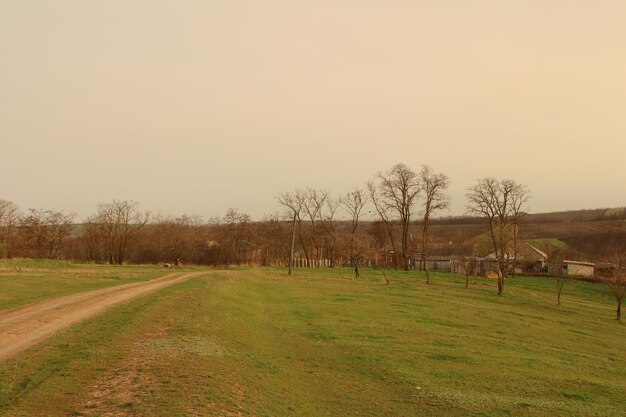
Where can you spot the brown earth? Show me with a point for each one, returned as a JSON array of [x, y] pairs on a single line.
[[26, 326]]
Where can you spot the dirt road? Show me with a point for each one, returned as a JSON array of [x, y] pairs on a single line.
[[26, 326]]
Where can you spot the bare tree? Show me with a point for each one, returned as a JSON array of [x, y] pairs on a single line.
[[329, 223], [519, 200], [617, 280], [44, 231], [9, 222], [468, 267], [561, 277], [237, 224], [170, 239], [398, 189], [119, 222], [383, 210], [34, 233], [435, 199], [274, 235], [293, 202], [313, 202], [353, 203], [493, 199], [560, 282], [95, 240], [60, 227], [467, 258]]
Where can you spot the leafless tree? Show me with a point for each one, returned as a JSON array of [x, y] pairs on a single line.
[[172, 238], [329, 223], [60, 228], [353, 203], [313, 203], [383, 210], [237, 224], [433, 188], [34, 233], [493, 199], [468, 267], [467, 257], [45, 230], [519, 200], [9, 222], [560, 282], [617, 280], [293, 201], [119, 221], [398, 189], [95, 240], [274, 235], [561, 278]]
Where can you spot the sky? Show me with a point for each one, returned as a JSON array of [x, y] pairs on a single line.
[[197, 106]]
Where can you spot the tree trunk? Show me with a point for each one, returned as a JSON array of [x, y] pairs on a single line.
[[385, 276], [304, 247], [619, 310], [515, 248], [405, 244], [393, 249], [500, 285], [293, 242], [424, 244], [356, 269]]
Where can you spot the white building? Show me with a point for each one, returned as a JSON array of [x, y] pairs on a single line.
[[581, 269]]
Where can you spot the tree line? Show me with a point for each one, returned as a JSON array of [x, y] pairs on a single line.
[[313, 227]]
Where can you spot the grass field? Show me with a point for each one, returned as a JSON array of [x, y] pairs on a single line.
[[254, 342], [26, 281]]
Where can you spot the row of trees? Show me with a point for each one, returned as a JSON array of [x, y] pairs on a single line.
[[321, 227], [395, 197], [34, 234], [119, 232], [315, 226]]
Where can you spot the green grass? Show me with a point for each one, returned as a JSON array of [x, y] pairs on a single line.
[[614, 212], [548, 241], [25, 281], [255, 342]]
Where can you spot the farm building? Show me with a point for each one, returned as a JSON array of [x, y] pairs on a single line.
[[577, 268], [529, 258], [385, 259]]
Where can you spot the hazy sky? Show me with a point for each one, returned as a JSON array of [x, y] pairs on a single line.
[[197, 106]]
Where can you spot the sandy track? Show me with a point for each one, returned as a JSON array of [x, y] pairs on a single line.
[[24, 327]]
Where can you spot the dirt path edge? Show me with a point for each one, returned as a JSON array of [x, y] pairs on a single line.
[[24, 327]]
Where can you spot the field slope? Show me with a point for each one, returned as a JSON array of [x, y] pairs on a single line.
[[255, 342]]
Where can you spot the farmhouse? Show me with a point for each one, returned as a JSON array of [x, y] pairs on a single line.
[[577, 268], [529, 258]]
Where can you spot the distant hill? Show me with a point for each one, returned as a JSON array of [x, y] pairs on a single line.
[[552, 217], [578, 234]]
